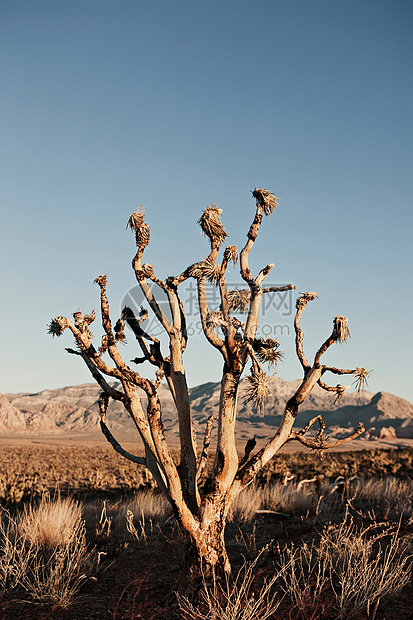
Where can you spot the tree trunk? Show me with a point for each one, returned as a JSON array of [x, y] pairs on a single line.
[[205, 558]]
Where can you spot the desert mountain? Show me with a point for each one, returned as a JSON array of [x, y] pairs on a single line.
[[75, 410]]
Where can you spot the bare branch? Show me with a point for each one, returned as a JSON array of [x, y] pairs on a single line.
[[100, 380], [339, 389], [107, 326], [339, 371], [300, 305], [265, 203], [360, 381], [103, 405], [327, 446], [147, 291], [252, 235], [84, 343], [208, 329], [340, 334], [263, 273], [152, 354], [311, 423], [279, 289], [118, 448]]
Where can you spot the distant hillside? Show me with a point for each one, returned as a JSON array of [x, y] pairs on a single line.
[[74, 410]]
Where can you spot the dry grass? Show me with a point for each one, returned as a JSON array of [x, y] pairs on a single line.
[[243, 599], [51, 524], [387, 498], [372, 499], [349, 553], [350, 569], [43, 552], [143, 514], [14, 558]]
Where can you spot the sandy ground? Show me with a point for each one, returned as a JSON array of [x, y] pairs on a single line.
[[96, 439]]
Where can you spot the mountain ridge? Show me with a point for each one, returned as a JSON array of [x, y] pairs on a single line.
[[74, 409]]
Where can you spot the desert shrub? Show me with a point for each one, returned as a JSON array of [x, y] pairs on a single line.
[[30, 472], [55, 577], [134, 518], [51, 524], [376, 498], [350, 569], [367, 463], [44, 552]]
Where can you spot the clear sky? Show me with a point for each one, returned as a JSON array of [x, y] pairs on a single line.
[[172, 105]]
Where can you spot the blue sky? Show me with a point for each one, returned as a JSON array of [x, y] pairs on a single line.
[[111, 105]]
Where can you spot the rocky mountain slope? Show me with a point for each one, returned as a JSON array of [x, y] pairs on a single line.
[[73, 410]]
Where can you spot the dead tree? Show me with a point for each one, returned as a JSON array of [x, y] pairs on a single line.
[[202, 508]]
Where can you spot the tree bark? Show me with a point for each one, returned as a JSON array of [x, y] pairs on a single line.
[[226, 462], [205, 557]]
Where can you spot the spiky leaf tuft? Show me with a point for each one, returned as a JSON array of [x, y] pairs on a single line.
[[231, 254], [341, 328], [238, 300], [210, 222], [214, 319], [258, 390], [360, 380], [265, 199], [208, 269], [55, 328], [142, 231], [136, 219], [266, 350]]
